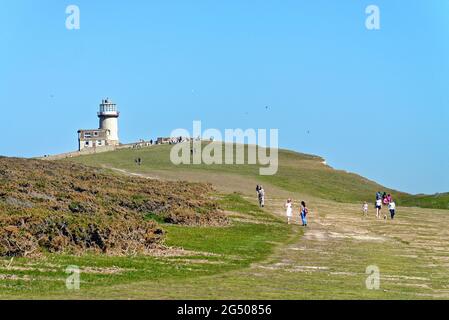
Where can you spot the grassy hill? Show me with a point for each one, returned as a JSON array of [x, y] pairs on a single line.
[[253, 255], [119, 229], [300, 173]]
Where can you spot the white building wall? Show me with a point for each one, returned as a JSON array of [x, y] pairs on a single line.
[[86, 144], [110, 124]]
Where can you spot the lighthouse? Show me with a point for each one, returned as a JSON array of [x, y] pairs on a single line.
[[107, 133], [108, 116]]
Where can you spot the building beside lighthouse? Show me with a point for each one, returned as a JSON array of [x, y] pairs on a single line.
[[107, 133]]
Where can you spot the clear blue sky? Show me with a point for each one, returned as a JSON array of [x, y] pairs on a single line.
[[374, 102]]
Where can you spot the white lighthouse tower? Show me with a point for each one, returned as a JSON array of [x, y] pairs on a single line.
[[108, 115]]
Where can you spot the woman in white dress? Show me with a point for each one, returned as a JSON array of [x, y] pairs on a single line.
[[289, 211]]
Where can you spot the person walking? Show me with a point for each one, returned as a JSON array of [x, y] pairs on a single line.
[[378, 195], [261, 197], [392, 208], [365, 208], [289, 210], [304, 213], [378, 208], [385, 201]]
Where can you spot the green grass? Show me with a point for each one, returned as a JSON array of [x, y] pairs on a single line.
[[249, 242], [299, 173], [214, 250], [440, 201], [155, 217], [258, 256]]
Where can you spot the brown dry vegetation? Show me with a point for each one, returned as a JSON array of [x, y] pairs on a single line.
[[56, 207]]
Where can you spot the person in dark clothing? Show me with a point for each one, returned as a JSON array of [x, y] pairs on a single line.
[[304, 212], [378, 195], [261, 196]]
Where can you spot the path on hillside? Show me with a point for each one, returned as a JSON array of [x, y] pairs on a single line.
[[329, 259], [132, 174], [340, 243]]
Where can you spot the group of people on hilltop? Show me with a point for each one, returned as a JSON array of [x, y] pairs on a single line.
[[382, 199]]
